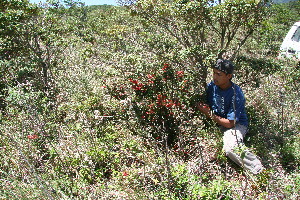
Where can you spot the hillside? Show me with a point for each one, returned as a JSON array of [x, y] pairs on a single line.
[[99, 102]]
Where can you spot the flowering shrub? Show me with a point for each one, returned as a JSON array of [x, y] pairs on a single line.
[[163, 101]]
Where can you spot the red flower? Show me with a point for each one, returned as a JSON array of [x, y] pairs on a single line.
[[170, 104], [133, 81], [165, 66], [151, 111], [150, 76], [32, 137], [151, 105], [180, 73], [125, 174], [138, 86]]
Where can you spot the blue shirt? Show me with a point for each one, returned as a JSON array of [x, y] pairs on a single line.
[[221, 102]]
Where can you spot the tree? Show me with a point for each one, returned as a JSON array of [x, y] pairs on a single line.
[[14, 15], [194, 33], [32, 39]]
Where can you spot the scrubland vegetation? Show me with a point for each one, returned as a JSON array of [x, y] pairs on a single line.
[[98, 102]]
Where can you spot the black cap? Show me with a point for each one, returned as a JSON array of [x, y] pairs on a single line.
[[224, 66]]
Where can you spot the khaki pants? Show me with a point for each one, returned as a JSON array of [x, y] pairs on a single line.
[[235, 149]]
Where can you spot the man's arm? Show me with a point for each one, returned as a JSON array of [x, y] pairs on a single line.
[[204, 108]]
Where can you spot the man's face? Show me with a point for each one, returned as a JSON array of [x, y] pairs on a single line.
[[221, 79]]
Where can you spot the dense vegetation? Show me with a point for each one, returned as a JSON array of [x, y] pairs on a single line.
[[98, 102]]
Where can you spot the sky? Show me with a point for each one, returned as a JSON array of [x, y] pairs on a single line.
[[87, 2]]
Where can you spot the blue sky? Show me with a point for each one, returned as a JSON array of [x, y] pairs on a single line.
[[87, 2]]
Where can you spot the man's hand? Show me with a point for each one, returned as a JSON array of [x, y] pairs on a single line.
[[204, 108]]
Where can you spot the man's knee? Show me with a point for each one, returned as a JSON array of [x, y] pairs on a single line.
[[231, 141]]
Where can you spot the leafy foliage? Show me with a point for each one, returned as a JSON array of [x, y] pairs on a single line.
[[98, 102]]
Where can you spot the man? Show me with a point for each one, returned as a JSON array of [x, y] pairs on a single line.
[[226, 106]]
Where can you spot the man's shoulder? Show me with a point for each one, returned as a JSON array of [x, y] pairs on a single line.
[[211, 87], [237, 88]]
